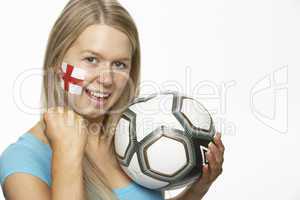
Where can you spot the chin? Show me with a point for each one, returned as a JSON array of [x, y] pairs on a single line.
[[91, 113]]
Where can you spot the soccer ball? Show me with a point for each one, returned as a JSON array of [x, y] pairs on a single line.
[[161, 140]]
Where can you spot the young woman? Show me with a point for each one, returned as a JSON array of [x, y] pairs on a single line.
[[64, 156]]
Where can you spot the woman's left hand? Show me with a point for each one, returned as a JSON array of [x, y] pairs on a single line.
[[215, 157]]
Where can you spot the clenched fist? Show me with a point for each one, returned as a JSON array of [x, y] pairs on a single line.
[[66, 131]]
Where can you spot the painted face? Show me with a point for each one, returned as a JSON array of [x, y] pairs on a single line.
[[103, 53]]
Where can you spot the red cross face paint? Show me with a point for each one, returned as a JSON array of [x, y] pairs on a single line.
[[72, 79]]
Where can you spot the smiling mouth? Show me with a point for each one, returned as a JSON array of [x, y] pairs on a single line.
[[99, 98]]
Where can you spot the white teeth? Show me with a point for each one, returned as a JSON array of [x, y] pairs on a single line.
[[99, 94]]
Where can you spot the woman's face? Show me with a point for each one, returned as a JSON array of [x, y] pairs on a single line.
[[105, 54]]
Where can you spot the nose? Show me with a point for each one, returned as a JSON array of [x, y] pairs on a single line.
[[105, 74]]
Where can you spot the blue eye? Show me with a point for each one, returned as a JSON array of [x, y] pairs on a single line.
[[120, 65], [91, 59]]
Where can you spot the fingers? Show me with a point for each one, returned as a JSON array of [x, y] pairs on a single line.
[[217, 154], [213, 166], [217, 140], [68, 116], [205, 173], [215, 157], [49, 114], [55, 110], [81, 124]]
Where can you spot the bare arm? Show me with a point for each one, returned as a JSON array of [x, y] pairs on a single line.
[[68, 136], [67, 181]]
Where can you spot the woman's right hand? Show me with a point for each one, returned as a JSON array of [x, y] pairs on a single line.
[[66, 131]]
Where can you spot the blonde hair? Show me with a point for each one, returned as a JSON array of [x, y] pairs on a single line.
[[74, 19]]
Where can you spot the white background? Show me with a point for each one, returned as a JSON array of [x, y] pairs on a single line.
[[244, 55]]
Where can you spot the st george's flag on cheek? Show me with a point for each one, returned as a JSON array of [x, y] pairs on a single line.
[[72, 78]]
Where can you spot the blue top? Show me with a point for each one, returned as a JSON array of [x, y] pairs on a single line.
[[30, 155]]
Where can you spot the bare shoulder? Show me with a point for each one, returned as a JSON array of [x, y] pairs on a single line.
[[20, 185], [38, 131]]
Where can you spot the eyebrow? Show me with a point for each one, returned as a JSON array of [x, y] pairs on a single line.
[[98, 54]]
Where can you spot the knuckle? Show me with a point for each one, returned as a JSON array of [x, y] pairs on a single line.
[[220, 171], [211, 179], [46, 116], [223, 148]]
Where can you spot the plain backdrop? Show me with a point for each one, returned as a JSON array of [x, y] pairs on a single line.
[[240, 58]]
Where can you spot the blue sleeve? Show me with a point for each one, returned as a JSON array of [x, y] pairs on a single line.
[[20, 158], [135, 191]]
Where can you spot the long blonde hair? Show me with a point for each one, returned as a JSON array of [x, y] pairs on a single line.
[[74, 19]]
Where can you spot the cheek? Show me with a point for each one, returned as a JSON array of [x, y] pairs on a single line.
[[79, 101], [75, 100], [120, 83]]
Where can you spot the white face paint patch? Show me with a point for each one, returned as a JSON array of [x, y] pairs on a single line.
[[72, 79]]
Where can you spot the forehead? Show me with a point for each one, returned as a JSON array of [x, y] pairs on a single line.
[[104, 40]]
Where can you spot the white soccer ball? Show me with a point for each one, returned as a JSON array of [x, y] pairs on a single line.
[[161, 140]]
